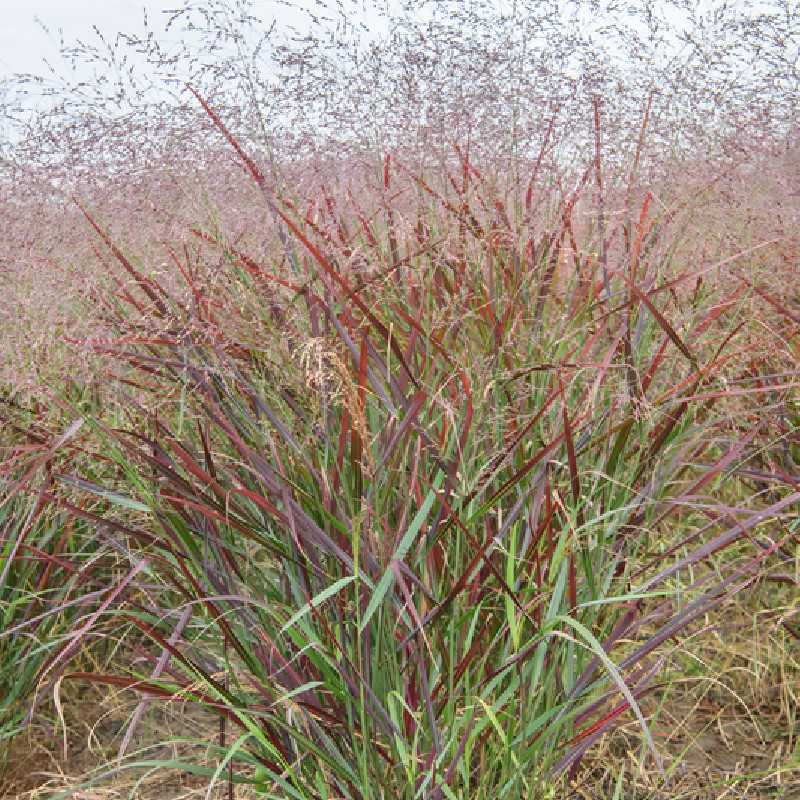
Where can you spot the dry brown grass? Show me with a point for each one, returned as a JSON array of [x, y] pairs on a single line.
[[726, 712]]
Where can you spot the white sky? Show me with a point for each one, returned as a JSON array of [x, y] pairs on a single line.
[[23, 43]]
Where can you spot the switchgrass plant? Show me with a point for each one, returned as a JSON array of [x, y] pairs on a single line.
[[418, 502], [48, 560], [19, 600]]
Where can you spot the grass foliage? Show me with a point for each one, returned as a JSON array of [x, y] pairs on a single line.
[[418, 503]]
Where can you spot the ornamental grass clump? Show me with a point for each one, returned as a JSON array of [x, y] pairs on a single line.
[[49, 559], [417, 501]]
